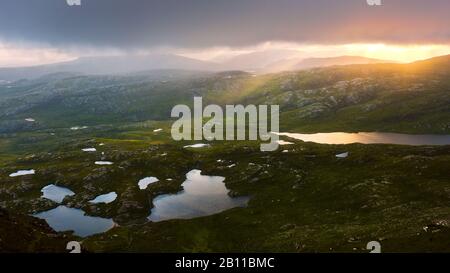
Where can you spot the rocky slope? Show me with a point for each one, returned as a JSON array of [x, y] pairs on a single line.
[[22, 233]]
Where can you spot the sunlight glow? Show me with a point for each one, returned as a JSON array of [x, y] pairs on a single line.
[[389, 52], [398, 53], [26, 55]]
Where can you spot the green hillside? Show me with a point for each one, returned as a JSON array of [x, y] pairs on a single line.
[[411, 98]]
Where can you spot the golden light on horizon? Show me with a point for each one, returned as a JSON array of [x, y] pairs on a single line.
[[398, 53], [25, 55], [389, 52]]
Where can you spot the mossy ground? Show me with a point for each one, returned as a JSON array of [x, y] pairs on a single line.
[[305, 200]]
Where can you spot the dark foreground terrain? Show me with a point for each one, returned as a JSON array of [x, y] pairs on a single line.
[[22, 233], [304, 199]]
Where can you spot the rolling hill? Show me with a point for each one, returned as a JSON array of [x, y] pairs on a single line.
[[367, 97], [259, 62], [302, 64]]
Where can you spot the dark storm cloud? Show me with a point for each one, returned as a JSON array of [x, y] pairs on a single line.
[[204, 23]]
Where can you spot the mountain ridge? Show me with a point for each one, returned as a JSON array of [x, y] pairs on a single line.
[[109, 65], [258, 62], [391, 97]]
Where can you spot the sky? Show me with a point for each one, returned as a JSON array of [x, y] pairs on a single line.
[[45, 31]]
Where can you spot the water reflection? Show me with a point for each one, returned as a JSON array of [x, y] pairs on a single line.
[[22, 172], [143, 183], [63, 218], [371, 138], [56, 193], [202, 195], [105, 198]]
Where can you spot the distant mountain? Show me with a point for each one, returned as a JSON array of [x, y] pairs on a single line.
[[411, 98], [295, 64], [269, 61], [443, 62], [341, 60], [109, 65], [258, 60]]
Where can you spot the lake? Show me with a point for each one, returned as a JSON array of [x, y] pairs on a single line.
[[371, 138], [64, 218], [202, 195], [56, 193]]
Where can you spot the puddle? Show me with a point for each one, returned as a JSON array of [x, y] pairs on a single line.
[[198, 145], [103, 163], [143, 183], [22, 172], [104, 198]]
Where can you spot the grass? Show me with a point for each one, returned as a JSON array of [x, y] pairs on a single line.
[[305, 200]]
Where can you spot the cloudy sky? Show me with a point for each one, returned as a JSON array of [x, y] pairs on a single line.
[[44, 31]]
